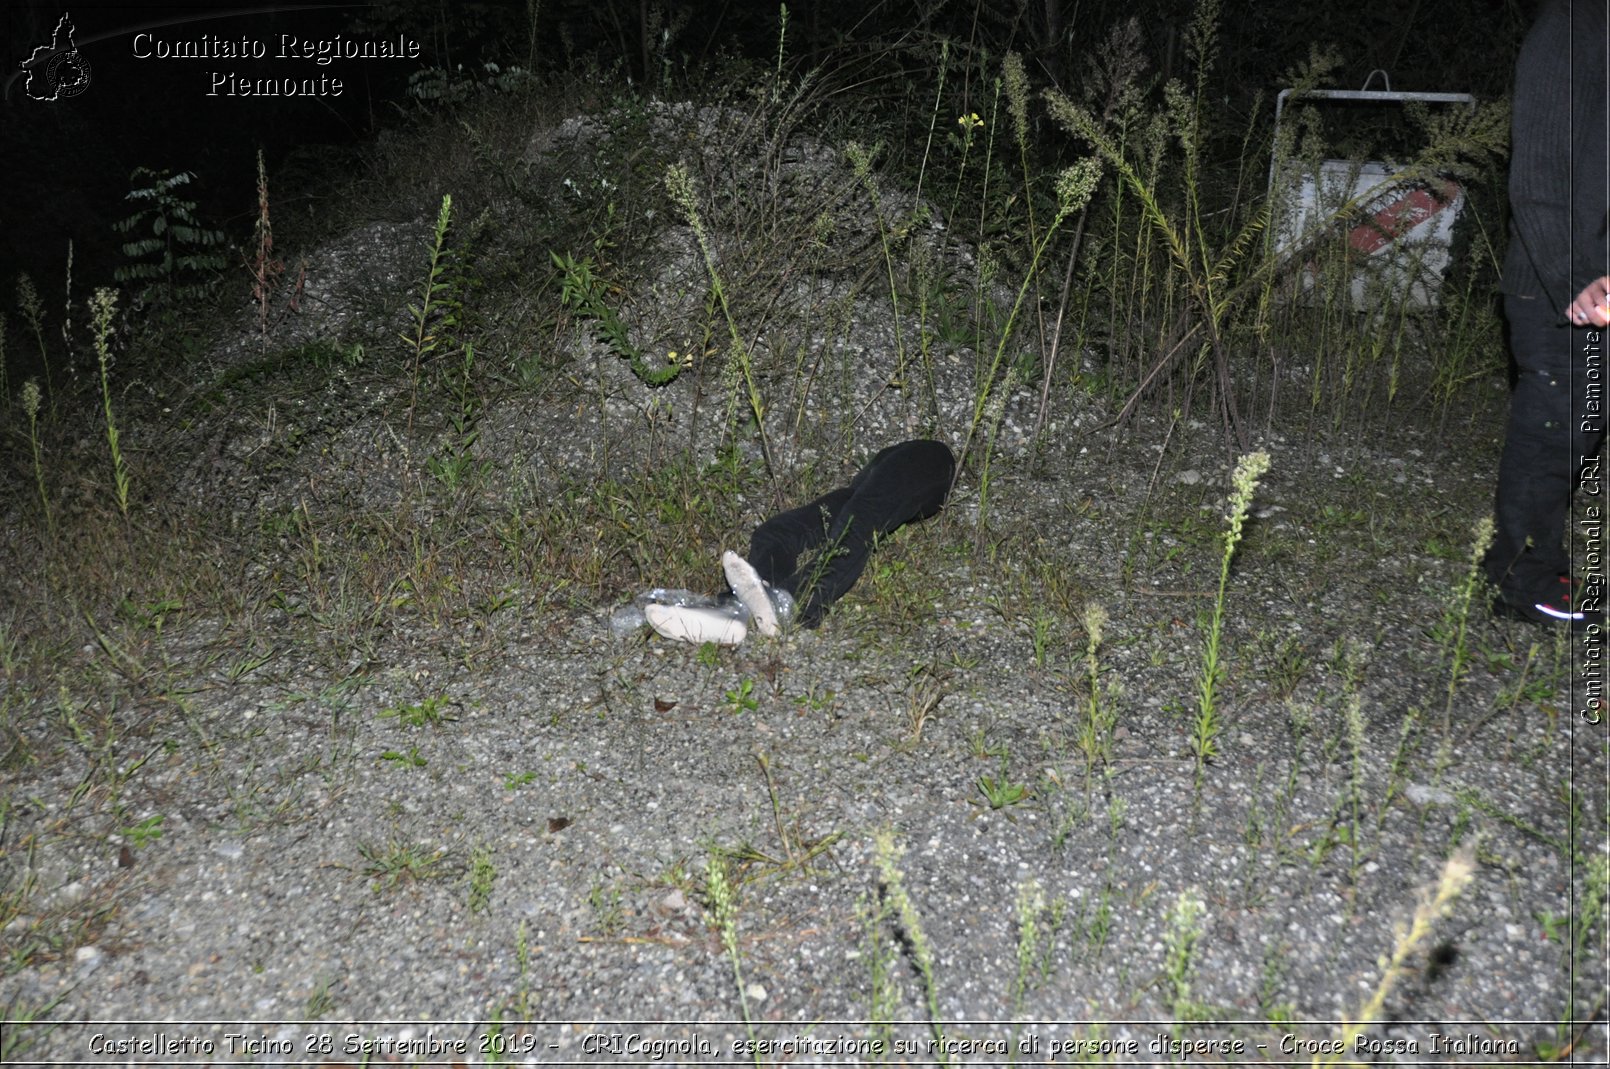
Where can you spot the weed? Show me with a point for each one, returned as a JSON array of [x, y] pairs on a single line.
[[883, 989], [264, 268], [321, 1002], [1094, 736], [585, 294], [103, 306], [30, 405], [33, 312], [398, 862], [1000, 791], [741, 699], [1456, 873], [1206, 727], [515, 780], [608, 912], [144, 833], [1037, 926], [1456, 621], [411, 758], [1185, 924], [435, 310], [740, 370], [483, 873], [927, 687], [457, 466], [175, 247], [724, 907], [427, 713], [887, 853]]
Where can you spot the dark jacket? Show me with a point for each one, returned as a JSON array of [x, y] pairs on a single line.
[[1559, 175]]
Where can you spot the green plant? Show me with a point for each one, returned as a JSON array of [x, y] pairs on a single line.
[[409, 759], [1456, 873], [144, 833], [883, 989], [1037, 927], [322, 1001], [173, 246], [30, 405], [740, 370], [741, 699], [887, 856], [483, 873], [33, 312], [1456, 621], [1185, 925], [398, 862], [1094, 735], [585, 294], [435, 311], [103, 306], [605, 902], [453, 468], [420, 714], [1206, 726], [1000, 791], [724, 907], [1074, 187]]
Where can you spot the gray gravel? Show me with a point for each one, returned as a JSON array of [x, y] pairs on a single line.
[[590, 779]]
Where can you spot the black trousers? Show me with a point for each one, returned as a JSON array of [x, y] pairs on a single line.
[[902, 484], [1550, 436]]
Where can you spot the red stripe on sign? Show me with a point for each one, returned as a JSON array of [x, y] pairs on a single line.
[[1398, 218]]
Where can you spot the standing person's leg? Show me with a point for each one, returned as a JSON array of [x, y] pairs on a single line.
[[1544, 445], [902, 484]]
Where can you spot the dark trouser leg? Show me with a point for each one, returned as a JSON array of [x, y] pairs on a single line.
[[775, 546], [902, 484], [1544, 447]]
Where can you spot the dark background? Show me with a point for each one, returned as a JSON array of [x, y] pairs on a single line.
[[68, 163]]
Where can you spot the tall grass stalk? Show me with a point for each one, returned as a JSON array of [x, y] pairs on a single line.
[[1456, 874], [860, 159], [30, 405], [1205, 731], [1457, 623], [888, 854], [1095, 732], [1074, 187], [933, 118], [103, 307], [740, 369], [426, 315], [725, 906], [1030, 904], [33, 312]]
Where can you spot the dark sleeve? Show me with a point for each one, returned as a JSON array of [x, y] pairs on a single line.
[[1590, 145], [1558, 182]]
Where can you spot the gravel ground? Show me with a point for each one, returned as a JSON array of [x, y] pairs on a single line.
[[330, 882]]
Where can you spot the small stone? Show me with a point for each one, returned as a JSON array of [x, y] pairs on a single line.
[[1190, 477], [756, 993], [1422, 795]]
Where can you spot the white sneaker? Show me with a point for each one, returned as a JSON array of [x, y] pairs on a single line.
[[685, 623], [751, 590]]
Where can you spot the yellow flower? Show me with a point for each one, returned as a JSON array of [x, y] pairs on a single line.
[[970, 122]]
